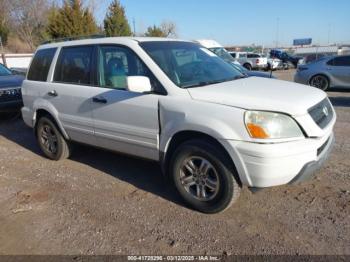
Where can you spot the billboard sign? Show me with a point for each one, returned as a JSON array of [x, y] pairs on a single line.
[[302, 41]]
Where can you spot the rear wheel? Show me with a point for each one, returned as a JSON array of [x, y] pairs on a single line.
[[248, 66], [50, 140], [203, 177], [320, 81]]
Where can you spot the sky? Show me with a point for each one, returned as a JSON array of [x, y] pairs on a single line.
[[245, 22]]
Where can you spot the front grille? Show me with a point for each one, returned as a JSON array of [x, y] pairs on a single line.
[[8, 95], [322, 113]]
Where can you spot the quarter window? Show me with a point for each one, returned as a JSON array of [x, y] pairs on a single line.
[[74, 65], [40, 65]]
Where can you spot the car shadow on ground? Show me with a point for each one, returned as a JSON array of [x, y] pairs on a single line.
[[340, 101], [143, 174]]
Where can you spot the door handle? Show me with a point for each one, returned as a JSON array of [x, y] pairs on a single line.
[[52, 93], [100, 100]]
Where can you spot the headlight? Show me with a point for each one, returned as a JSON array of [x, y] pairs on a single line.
[[269, 125]]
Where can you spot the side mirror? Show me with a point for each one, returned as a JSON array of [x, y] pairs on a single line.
[[139, 84]]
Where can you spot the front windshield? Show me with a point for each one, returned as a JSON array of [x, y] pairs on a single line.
[[188, 64], [221, 52], [4, 71]]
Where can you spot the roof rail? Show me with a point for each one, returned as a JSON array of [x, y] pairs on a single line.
[[71, 38]]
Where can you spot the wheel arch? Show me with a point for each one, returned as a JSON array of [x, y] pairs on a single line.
[[187, 135], [40, 112], [320, 74]]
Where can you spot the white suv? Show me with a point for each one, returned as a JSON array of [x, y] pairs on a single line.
[[211, 129]]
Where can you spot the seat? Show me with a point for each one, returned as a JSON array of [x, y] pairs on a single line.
[[116, 75]]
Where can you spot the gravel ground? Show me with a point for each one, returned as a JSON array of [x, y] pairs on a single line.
[[99, 202]]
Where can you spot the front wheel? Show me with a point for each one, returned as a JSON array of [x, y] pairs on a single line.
[[320, 81], [203, 177]]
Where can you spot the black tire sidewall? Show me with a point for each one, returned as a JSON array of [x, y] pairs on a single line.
[[60, 140], [226, 179], [325, 78], [248, 67]]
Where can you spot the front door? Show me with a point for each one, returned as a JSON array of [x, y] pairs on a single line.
[[124, 121]]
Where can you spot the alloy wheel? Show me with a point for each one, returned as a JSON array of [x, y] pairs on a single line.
[[199, 178], [48, 139]]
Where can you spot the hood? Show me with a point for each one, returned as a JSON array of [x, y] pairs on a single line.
[[261, 94], [11, 81]]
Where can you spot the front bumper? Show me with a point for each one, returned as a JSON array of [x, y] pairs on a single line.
[[310, 168], [266, 165], [300, 78], [261, 66]]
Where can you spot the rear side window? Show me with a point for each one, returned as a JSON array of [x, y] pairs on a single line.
[[74, 65], [253, 56], [340, 61], [40, 65]]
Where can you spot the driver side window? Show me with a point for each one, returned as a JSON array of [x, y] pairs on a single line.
[[116, 63]]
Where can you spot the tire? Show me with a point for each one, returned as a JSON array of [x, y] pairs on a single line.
[[221, 187], [51, 141], [248, 66], [320, 82], [268, 68]]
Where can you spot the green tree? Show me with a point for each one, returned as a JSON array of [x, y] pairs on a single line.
[[155, 31], [116, 23], [71, 20]]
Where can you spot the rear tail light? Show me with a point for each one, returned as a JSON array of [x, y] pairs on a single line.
[[257, 61]]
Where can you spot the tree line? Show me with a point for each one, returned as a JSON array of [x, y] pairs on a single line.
[[24, 24]]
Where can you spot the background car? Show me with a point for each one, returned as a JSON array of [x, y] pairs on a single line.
[[285, 57], [274, 63], [10, 90], [255, 61], [250, 60], [240, 57], [325, 73], [248, 73]]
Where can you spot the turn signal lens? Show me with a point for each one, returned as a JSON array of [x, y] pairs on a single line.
[[256, 131]]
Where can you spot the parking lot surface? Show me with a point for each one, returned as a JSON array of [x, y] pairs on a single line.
[[98, 202]]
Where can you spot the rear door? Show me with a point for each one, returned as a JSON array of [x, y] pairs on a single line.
[[71, 91], [339, 68], [124, 121]]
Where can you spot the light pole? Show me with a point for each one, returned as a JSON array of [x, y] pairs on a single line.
[[133, 22], [277, 30]]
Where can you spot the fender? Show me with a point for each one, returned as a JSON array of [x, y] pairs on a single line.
[[42, 104]]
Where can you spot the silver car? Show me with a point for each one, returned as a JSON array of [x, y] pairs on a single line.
[[325, 73]]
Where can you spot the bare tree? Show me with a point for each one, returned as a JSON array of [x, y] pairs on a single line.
[[169, 28], [28, 19]]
